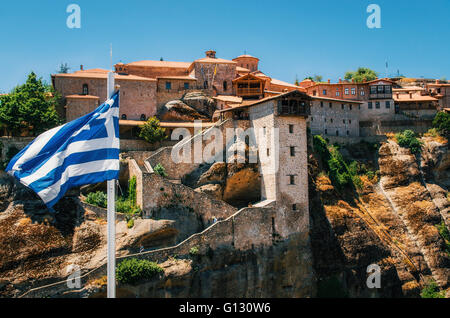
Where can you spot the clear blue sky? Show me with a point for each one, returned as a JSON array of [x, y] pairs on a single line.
[[326, 37]]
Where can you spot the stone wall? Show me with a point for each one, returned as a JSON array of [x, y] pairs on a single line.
[[374, 113], [137, 97], [154, 191], [80, 106], [12, 142], [369, 128], [334, 121]]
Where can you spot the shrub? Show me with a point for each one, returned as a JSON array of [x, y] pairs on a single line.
[[408, 139], [431, 290], [159, 169], [442, 123], [133, 270], [194, 251], [445, 234], [127, 207], [132, 190], [152, 131], [130, 223], [98, 198]]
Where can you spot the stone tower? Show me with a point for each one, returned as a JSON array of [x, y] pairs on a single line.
[[283, 157]]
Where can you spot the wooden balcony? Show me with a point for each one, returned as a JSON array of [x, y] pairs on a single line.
[[249, 91]]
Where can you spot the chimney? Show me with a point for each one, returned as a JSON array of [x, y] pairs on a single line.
[[353, 80], [211, 54], [329, 81], [340, 80], [410, 95], [81, 67], [437, 81]]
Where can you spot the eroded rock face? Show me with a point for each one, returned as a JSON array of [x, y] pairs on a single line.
[[177, 110], [236, 183], [201, 102]]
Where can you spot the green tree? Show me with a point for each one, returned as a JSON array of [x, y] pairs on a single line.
[[152, 131], [362, 74], [29, 107], [317, 78], [442, 123]]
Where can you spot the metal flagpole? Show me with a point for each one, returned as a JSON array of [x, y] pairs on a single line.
[[111, 218]]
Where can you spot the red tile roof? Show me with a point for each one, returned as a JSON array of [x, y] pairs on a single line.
[[149, 63], [103, 74]]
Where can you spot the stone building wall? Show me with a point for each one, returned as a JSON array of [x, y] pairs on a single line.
[[327, 121], [382, 113], [12, 142], [262, 116], [136, 97], [154, 191], [80, 106], [226, 72]]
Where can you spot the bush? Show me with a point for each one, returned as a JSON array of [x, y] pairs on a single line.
[[159, 169], [408, 139], [133, 270], [132, 190], [445, 234], [98, 199], [130, 223], [152, 131], [194, 251], [431, 290], [442, 123]]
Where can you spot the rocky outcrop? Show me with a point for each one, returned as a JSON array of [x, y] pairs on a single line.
[[391, 223], [236, 183], [201, 102], [177, 110]]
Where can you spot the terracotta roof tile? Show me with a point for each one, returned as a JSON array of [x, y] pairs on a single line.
[[149, 63]]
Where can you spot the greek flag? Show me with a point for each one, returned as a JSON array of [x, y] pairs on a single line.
[[83, 151]]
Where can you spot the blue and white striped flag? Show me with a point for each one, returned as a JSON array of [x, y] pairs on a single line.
[[83, 151]]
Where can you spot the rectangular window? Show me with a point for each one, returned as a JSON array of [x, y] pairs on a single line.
[[337, 93], [346, 91], [370, 105], [388, 104], [380, 89], [292, 180], [373, 89], [363, 92], [324, 92], [331, 105], [326, 131], [342, 106], [168, 85], [350, 106], [291, 128], [292, 151], [186, 85], [377, 105], [343, 120], [353, 91], [268, 152], [321, 104], [294, 207], [349, 121], [387, 89]]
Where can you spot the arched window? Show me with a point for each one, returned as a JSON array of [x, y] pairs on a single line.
[[143, 117], [225, 86], [124, 117], [85, 89]]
